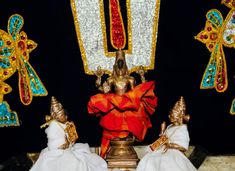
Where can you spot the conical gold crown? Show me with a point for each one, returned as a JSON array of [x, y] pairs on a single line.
[[120, 54], [56, 106], [180, 107]]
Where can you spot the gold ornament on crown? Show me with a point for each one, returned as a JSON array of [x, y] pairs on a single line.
[[179, 107], [56, 107]]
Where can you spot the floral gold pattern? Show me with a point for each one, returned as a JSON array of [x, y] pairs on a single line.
[[14, 55], [216, 34]]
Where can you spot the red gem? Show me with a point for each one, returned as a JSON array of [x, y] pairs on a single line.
[[30, 46], [233, 16], [24, 53], [6, 89], [205, 36], [5, 72], [233, 3], [8, 43], [201, 37], [209, 28], [220, 86], [213, 36], [22, 37], [21, 45], [118, 33], [211, 46], [13, 58]]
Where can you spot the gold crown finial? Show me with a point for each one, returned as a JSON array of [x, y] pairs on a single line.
[[180, 107], [120, 53], [56, 106]]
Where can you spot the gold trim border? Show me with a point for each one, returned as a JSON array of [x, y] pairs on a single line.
[[103, 27], [17, 117], [154, 36], [80, 42]]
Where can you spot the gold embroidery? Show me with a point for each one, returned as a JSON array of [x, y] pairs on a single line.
[[159, 142], [71, 131]]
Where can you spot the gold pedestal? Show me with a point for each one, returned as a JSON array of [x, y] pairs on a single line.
[[122, 155]]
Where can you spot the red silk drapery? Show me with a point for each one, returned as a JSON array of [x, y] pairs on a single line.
[[121, 115]]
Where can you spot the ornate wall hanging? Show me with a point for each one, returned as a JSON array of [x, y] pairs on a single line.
[[14, 55], [103, 26], [218, 32]]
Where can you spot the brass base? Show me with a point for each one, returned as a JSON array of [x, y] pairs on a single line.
[[122, 155]]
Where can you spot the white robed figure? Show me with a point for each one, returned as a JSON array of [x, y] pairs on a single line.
[[167, 152], [62, 153]]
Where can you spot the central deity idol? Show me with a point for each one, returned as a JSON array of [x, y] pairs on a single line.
[[123, 107]]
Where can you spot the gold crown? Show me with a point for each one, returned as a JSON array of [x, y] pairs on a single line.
[[180, 107], [120, 51], [56, 106]]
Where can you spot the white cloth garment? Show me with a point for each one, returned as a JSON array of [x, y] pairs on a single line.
[[172, 159], [77, 157]]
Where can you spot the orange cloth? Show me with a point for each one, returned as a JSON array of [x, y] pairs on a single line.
[[121, 115]]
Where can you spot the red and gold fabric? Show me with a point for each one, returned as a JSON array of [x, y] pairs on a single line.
[[121, 115]]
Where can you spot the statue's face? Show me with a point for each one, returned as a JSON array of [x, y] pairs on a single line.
[[175, 117], [120, 68], [120, 63], [62, 117]]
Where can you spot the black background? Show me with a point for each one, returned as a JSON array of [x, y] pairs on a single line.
[[179, 66]]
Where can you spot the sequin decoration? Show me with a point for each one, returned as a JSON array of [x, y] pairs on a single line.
[[7, 117], [118, 35], [228, 35], [14, 55], [142, 28], [216, 34], [215, 75], [232, 109]]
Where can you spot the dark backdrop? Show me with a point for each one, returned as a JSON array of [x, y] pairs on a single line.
[[179, 66]]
